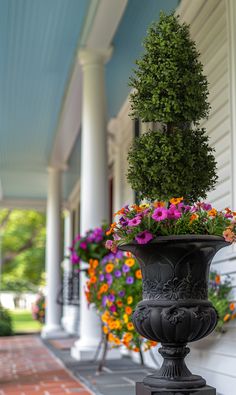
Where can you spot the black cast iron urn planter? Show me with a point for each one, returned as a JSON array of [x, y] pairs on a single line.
[[175, 309]]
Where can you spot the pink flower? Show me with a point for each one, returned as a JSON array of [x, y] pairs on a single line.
[[160, 214], [74, 258], [111, 245], [173, 213], [134, 221], [144, 237], [206, 206]]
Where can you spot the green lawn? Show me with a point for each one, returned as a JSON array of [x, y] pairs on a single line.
[[23, 322]]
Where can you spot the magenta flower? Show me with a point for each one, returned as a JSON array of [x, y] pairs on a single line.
[[134, 221], [144, 237], [129, 280], [160, 214], [74, 258], [83, 245], [113, 308], [173, 213]]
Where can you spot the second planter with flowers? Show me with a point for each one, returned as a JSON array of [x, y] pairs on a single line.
[[174, 239]]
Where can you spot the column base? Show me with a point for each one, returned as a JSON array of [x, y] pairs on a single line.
[[53, 332], [142, 389], [70, 321], [82, 352]]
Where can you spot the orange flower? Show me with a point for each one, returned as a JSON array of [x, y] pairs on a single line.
[[128, 254], [104, 288], [95, 263], [117, 341], [93, 279], [111, 230], [138, 274], [130, 326], [111, 338], [212, 212], [159, 204], [119, 212], [119, 303], [105, 330], [137, 208], [229, 235], [136, 349], [130, 262], [193, 217], [226, 317], [176, 200], [128, 310], [232, 306], [109, 267], [217, 279], [128, 337]]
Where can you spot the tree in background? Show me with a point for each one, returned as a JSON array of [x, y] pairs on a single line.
[[23, 236]]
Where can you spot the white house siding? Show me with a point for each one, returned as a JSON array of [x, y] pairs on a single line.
[[215, 357]]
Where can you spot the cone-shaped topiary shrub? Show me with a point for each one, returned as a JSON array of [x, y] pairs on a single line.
[[170, 88]]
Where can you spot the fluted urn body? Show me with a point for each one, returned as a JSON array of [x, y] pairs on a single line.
[[175, 309]]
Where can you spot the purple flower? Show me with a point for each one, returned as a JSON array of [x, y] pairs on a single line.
[[74, 258], [206, 206], [160, 214], [125, 268], [117, 273], [113, 308], [173, 213], [109, 278], [187, 208], [101, 277], [83, 245], [134, 221], [144, 237], [104, 300], [116, 237], [121, 294], [129, 280], [123, 221], [111, 298]]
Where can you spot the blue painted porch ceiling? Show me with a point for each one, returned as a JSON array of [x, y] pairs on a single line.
[[38, 40]]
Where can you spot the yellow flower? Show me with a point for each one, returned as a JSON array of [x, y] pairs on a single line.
[[128, 337], [130, 262], [130, 326], [144, 205], [130, 300], [226, 317], [125, 318]]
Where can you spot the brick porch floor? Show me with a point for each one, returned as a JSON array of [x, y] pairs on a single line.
[[28, 368]]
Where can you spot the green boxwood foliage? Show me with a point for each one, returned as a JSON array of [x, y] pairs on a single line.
[[167, 165], [171, 89], [169, 84], [5, 322]]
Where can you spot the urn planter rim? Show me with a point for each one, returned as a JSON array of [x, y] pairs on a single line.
[[178, 238]]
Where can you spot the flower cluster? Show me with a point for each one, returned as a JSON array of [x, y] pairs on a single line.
[[219, 295], [38, 308], [90, 246], [144, 222], [115, 287]]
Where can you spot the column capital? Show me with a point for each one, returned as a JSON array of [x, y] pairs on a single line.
[[90, 56]]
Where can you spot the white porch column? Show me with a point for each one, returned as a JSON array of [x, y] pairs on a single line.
[[94, 180], [52, 326], [70, 312]]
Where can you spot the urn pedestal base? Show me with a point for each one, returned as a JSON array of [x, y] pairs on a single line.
[[142, 389]]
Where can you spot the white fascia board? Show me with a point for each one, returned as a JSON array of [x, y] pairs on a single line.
[[100, 35]]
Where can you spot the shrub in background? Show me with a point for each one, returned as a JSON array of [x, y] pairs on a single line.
[[5, 322]]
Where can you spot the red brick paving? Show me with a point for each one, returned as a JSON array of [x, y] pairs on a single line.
[[28, 368]]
